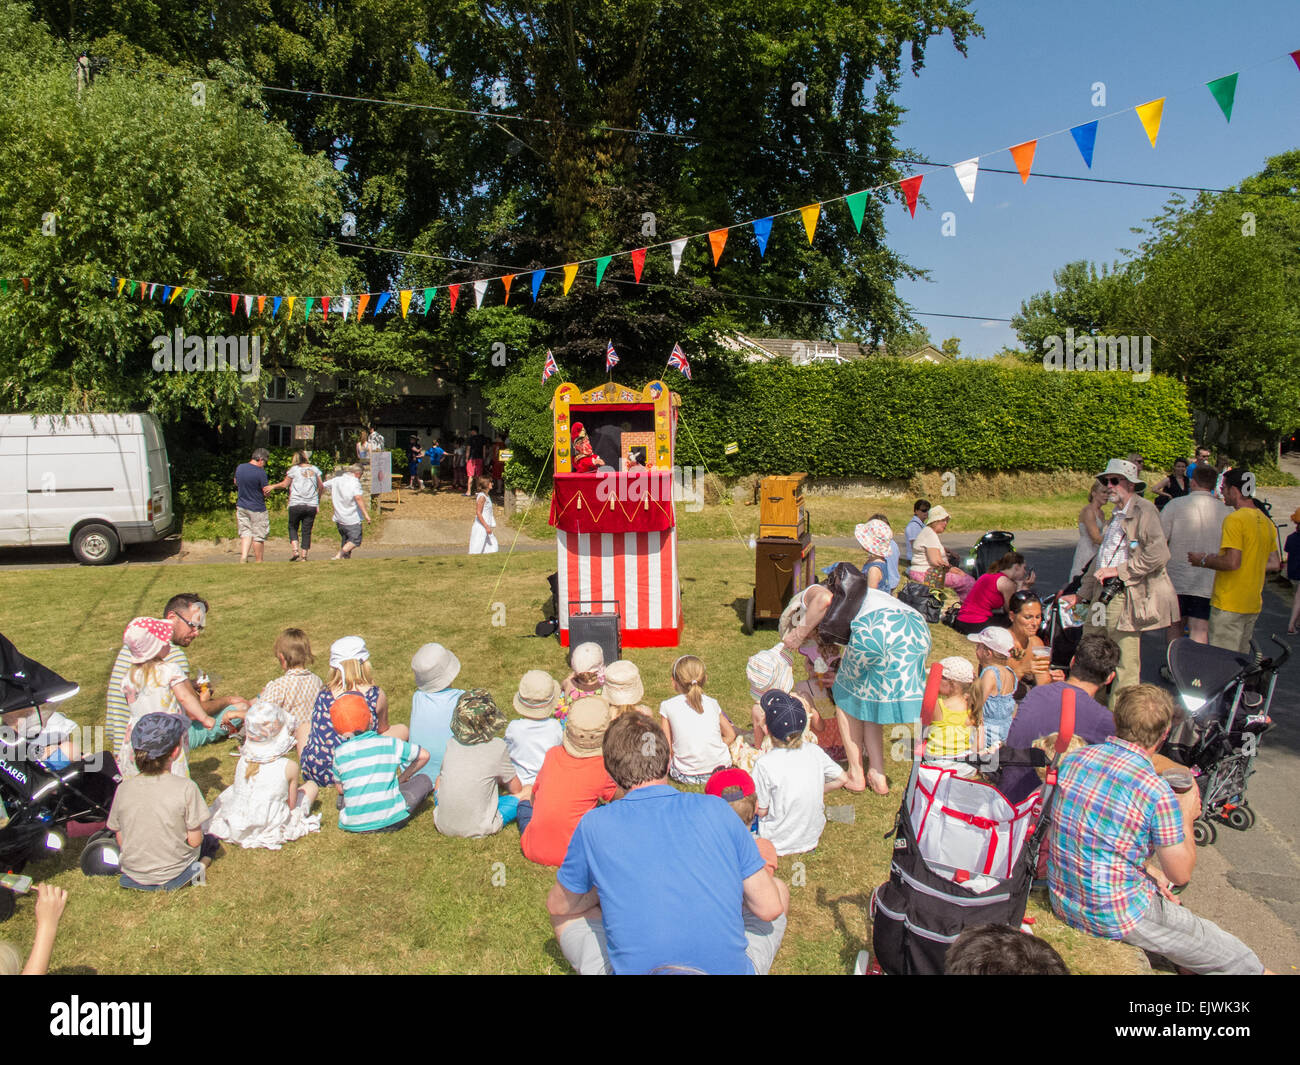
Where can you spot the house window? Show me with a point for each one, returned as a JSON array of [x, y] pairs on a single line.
[[343, 384], [281, 435], [277, 388]]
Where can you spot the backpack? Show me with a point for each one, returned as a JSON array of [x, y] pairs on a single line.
[[922, 599]]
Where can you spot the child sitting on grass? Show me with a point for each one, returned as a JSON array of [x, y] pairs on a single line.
[[768, 671], [624, 690], [264, 807], [158, 817], [379, 775], [792, 778], [529, 738], [296, 689], [958, 726], [736, 787], [587, 677], [476, 763], [699, 734]]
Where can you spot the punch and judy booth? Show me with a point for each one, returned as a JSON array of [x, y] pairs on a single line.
[[612, 509]]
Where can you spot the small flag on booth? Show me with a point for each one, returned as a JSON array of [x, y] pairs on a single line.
[[731, 449], [677, 360], [549, 367], [611, 360]]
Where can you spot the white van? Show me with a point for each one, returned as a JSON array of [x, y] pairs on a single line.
[[96, 482]]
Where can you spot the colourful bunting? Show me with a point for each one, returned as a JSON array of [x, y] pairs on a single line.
[[152, 287], [307, 306], [346, 312], [1150, 115], [717, 241], [638, 263], [382, 302], [289, 301], [404, 297], [911, 189], [810, 214], [601, 265], [261, 302], [1085, 138], [762, 230], [248, 306], [453, 294], [1224, 90], [176, 292], [275, 306], [506, 281], [1296, 57], [1023, 154], [234, 302], [677, 247], [857, 204], [167, 294], [121, 284], [480, 290], [967, 171], [570, 272], [131, 291], [428, 299], [189, 295], [325, 307], [362, 304], [538, 276]]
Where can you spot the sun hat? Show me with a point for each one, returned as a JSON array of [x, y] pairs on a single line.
[[584, 731], [875, 536], [793, 615], [1295, 518], [996, 639], [586, 657], [730, 784], [268, 731], [1242, 480], [350, 713], [145, 637], [348, 649], [538, 695], [434, 667], [936, 514], [623, 685], [959, 669], [784, 715], [157, 734], [769, 670], [476, 718], [1127, 470]]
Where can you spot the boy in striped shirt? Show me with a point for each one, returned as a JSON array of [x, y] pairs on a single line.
[[380, 775]]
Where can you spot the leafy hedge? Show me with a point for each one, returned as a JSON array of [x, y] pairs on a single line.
[[889, 419], [203, 481]]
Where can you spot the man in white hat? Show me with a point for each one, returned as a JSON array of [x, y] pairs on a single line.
[[1133, 553]]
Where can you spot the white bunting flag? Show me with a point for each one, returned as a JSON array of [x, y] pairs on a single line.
[[480, 289], [248, 306], [677, 247], [966, 173], [347, 307]]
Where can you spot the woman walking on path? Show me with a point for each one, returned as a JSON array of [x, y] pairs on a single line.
[[305, 486]]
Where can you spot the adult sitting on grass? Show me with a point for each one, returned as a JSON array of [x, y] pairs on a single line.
[[989, 602], [1113, 815], [1031, 658], [608, 905], [928, 555]]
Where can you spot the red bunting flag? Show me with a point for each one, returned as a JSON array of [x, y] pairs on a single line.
[[453, 294], [325, 306], [234, 303], [638, 263], [911, 189], [1296, 56], [1023, 154], [717, 241]]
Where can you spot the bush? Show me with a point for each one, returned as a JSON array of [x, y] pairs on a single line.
[[203, 482]]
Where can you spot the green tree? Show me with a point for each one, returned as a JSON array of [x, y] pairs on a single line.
[[1086, 299]]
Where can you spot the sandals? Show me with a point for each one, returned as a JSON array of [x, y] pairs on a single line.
[[885, 780]]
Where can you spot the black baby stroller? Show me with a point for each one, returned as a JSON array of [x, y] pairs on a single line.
[[988, 549], [964, 855], [1226, 696], [1062, 627], [42, 795]]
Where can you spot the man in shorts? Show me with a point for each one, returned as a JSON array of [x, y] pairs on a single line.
[[350, 509], [1192, 524], [250, 506], [1121, 838]]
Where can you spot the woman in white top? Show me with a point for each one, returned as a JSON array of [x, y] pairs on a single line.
[[305, 486], [698, 732], [482, 536], [928, 554], [1091, 523]]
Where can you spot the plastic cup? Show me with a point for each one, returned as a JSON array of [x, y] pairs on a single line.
[[1179, 779]]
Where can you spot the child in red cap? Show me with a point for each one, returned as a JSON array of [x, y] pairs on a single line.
[[737, 788]]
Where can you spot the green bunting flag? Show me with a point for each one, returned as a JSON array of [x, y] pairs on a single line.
[[306, 312], [857, 202], [189, 295], [1223, 90], [601, 264]]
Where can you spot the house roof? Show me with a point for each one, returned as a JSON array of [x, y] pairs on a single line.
[[763, 349]]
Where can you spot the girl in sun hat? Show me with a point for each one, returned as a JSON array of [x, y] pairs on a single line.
[[435, 669], [624, 690], [535, 732], [587, 677], [265, 807], [958, 725], [153, 685], [994, 695], [875, 538]]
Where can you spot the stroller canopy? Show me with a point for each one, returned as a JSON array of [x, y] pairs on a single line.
[[25, 682], [1202, 670]]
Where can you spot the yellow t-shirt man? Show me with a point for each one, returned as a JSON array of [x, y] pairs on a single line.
[[1241, 591]]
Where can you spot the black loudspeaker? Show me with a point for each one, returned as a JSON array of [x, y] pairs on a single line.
[[601, 628]]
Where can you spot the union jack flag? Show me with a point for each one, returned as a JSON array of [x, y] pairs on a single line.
[[611, 360], [549, 367], [677, 360]]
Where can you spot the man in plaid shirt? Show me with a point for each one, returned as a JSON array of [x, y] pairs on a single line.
[[1120, 835]]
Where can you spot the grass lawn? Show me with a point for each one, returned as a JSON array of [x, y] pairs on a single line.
[[412, 901]]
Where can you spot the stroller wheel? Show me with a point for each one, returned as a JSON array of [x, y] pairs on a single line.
[[7, 904], [1203, 832], [101, 855], [1241, 818]]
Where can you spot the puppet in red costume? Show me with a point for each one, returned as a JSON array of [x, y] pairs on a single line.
[[584, 458]]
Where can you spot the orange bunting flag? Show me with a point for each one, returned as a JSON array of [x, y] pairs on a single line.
[[911, 189], [638, 263], [570, 272], [717, 241], [261, 302], [505, 280], [1023, 154], [362, 303], [1150, 114], [405, 297], [810, 215]]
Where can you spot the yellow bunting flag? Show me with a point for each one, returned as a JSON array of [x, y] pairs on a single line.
[[362, 303], [288, 300], [1023, 154], [405, 296], [810, 215], [717, 241], [121, 284], [1150, 114], [175, 292], [570, 272]]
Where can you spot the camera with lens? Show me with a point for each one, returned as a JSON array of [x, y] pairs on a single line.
[[1110, 588]]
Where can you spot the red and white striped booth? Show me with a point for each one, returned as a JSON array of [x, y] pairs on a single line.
[[616, 531]]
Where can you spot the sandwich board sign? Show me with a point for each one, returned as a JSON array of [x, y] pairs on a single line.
[[381, 472]]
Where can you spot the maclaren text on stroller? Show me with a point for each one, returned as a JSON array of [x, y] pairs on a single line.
[[964, 855]]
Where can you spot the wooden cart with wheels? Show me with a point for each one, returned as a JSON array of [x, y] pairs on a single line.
[[785, 561]]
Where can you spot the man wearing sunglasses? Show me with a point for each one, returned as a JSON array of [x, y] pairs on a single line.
[[1134, 552]]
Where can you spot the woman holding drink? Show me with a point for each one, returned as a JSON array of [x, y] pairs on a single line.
[[1031, 659]]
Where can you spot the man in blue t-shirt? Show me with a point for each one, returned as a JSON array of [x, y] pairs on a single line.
[[1039, 713], [250, 505], [663, 880]]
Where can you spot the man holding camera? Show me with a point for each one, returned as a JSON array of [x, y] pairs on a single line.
[[1127, 588]]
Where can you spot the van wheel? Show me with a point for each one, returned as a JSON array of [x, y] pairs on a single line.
[[95, 545]]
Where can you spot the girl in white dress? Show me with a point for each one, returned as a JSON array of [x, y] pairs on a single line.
[[265, 807], [482, 537]]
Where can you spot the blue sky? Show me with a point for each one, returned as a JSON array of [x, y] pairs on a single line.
[[1031, 74]]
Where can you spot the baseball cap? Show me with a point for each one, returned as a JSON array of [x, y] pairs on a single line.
[[730, 784], [784, 714]]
